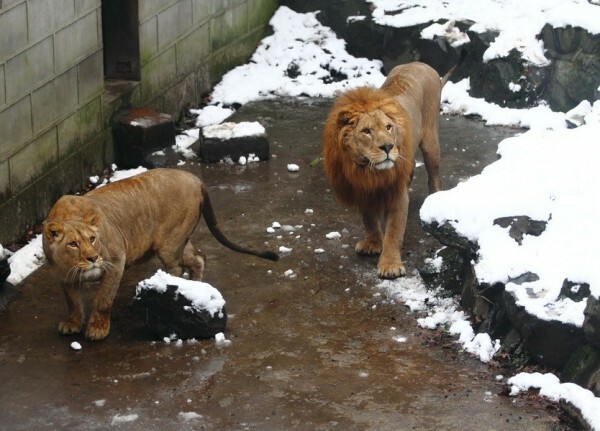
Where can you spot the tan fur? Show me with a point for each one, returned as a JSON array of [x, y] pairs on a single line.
[[92, 238], [369, 142]]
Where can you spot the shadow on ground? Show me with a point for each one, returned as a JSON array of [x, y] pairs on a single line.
[[314, 352]]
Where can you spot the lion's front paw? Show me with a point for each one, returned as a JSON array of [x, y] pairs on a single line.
[[70, 326], [97, 328], [368, 247], [390, 268]]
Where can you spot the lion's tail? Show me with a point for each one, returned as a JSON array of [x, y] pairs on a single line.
[[211, 221], [461, 60]]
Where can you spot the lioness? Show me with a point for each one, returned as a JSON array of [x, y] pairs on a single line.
[[369, 141], [92, 238]]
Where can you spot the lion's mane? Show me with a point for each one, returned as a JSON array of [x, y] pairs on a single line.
[[354, 184]]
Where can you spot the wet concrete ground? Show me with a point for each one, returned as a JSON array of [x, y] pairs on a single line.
[[315, 352]]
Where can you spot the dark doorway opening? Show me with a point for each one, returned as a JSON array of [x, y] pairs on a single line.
[[120, 37]]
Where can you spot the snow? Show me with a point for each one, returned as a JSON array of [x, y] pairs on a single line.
[[26, 260], [456, 100], [221, 340], [230, 130], [202, 295], [297, 60], [448, 31], [122, 419], [519, 184], [184, 141], [188, 416], [213, 114], [441, 312], [546, 173]]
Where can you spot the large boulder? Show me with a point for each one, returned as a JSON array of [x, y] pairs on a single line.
[[574, 68]]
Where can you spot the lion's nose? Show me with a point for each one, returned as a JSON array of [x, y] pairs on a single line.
[[386, 147], [92, 259]]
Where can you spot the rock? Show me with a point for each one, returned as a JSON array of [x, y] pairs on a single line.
[[583, 368], [520, 226], [550, 343], [574, 68], [526, 277], [574, 291], [591, 322], [140, 134], [174, 306], [446, 269], [234, 140], [451, 269], [507, 81], [447, 235]]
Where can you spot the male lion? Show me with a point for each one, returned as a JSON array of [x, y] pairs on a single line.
[[92, 238], [369, 141]]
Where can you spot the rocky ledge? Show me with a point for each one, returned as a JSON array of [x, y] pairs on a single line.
[[573, 351]]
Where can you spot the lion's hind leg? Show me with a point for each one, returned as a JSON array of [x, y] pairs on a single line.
[[194, 261], [178, 260], [172, 257], [430, 148]]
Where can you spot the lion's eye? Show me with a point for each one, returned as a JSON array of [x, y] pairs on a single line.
[[388, 127], [92, 239], [366, 131], [73, 244]]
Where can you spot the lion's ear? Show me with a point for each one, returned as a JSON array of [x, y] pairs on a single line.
[[92, 218], [345, 118], [53, 231]]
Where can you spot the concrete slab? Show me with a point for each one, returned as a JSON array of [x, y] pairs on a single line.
[[314, 352]]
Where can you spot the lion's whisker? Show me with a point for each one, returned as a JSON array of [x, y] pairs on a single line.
[[72, 274]]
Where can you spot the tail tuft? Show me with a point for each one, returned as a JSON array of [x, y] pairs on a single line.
[[271, 255]]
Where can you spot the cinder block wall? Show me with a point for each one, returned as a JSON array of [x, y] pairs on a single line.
[[55, 115]]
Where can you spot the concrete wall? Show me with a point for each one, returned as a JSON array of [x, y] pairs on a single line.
[[55, 114]]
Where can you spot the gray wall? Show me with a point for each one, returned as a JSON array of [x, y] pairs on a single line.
[[55, 114]]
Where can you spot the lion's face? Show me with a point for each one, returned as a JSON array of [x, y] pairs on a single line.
[[373, 141], [73, 247]]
